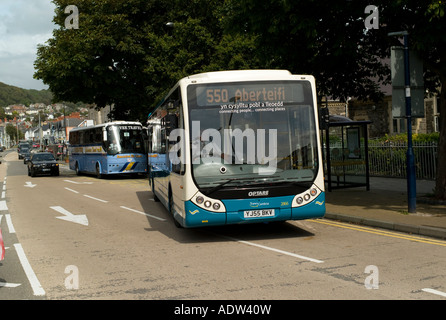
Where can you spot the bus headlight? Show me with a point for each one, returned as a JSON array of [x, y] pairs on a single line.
[[307, 197], [209, 204], [199, 199]]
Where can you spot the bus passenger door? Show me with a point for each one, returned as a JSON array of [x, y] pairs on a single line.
[[176, 165], [156, 156]]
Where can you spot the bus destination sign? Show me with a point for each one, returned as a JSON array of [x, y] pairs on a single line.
[[261, 92]]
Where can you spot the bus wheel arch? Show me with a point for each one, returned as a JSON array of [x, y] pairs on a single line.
[[155, 198], [98, 170], [77, 169]]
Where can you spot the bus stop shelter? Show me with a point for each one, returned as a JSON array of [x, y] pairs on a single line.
[[345, 152]]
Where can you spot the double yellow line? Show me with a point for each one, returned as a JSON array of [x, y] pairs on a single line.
[[381, 232]]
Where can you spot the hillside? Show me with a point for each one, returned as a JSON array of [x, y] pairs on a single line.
[[15, 95]]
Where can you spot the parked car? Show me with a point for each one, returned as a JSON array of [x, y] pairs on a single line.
[[24, 149], [42, 163], [26, 155]]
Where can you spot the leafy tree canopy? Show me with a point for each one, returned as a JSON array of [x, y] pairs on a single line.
[[124, 53]]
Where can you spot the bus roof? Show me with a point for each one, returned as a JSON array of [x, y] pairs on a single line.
[[240, 75]]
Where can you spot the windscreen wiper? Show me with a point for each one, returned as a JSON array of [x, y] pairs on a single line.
[[219, 186]]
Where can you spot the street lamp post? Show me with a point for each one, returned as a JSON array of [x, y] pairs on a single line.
[[410, 159]]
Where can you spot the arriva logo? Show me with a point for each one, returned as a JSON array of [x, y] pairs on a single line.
[[258, 193], [258, 204]]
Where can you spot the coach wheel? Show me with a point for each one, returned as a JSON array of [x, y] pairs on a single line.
[[98, 171], [76, 168]]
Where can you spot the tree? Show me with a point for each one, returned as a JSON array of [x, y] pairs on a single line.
[[100, 62], [327, 40], [425, 22], [330, 41], [124, 54], [11, 131]]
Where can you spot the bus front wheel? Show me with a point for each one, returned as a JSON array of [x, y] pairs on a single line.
[[76, 168], [172, 211], [98, 171]]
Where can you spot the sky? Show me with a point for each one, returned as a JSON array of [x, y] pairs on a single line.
[[23, 25]]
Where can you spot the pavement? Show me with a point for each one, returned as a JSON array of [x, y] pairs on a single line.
[[385, 206]]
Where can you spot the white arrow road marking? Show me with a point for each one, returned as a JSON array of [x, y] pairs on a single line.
[[68, 216], [29, 184]]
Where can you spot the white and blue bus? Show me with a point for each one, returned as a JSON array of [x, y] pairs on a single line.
[[234, 147], [111, 148]]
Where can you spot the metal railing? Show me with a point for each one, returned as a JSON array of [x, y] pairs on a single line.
[[389, 159]]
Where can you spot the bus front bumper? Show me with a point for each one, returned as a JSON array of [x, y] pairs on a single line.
[[253, 211]]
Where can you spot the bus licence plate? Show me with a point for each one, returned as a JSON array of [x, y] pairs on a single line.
[[259, 213]]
